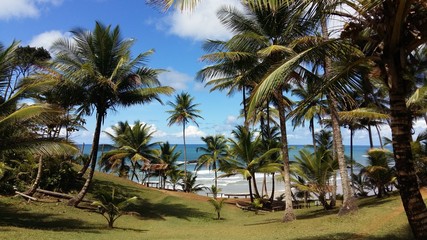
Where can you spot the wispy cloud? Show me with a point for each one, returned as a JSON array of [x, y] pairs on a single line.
[[175, 79], [24, 8]]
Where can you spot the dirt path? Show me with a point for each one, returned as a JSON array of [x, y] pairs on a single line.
[[378, 223]]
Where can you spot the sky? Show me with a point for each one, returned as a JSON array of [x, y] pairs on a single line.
[[175, 36]]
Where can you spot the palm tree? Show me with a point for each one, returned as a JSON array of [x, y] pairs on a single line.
[[133, 144], [397, 35], [184, 111], [249, 158], [100, 62], [378, 169], [169, 157], [316, 169], [215, 152]]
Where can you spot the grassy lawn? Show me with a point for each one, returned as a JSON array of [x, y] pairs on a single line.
[[172, 215]]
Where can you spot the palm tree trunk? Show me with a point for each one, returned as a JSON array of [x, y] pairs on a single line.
[[351, 158], [273, 186], [313, 135], [255, 185], [216, 182], [250, 189], [86, 164], [334, 190], [401, 124], [36, 183], [245, 110], [185, 154], [379, 136], [289, 214], [349, 204], [93, 157], [371, 142]]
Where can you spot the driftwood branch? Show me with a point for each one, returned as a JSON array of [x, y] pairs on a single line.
[[26, 196], [57, 194]]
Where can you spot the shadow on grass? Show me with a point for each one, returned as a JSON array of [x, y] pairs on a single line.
[[158, 211], [373, 201], [318, 213], [265, 222], [406, 235], [149, 210], [16, 217]]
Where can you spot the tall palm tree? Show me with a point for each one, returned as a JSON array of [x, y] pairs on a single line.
[[215, 152], [133, 145], [183, 111], [393, 37], [100, 61]]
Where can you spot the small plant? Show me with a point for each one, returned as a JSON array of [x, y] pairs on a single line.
[[217, 204], [111, 207], [215, 190], [257, 204]]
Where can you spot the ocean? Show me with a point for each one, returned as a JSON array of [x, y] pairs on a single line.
[[236, 184]]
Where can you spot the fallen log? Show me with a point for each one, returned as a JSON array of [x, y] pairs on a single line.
[[26, 196], [58, 195]]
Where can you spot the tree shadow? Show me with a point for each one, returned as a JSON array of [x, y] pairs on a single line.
[[374, 201], [318, 213], [12, 216], [265, 222], [406, 236], [158, 211]]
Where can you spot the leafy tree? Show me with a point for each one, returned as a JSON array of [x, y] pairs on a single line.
[[100, 62]]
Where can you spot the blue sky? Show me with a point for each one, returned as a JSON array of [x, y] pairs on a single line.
[[176, 38]]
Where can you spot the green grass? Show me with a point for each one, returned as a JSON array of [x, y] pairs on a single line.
[[163, 216]]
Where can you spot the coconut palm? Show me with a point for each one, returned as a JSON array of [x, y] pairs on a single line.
[[169, 157], [378, 169], [100, 61], [133, 145], [215, 152], [316, 169], [249, 158], [401, 33], [183, 111]]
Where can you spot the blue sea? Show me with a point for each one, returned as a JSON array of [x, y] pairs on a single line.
[[236, 184]]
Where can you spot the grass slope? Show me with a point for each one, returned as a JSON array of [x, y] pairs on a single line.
[[175, 215]]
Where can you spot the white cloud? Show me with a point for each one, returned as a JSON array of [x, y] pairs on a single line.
[[175, 79], [191, 131], [24, 8], [46, 39], [202, 23]]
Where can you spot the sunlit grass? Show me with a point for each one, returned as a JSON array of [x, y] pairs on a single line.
[[167, 215]]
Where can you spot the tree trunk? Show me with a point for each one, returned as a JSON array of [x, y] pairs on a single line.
[[401, 124], [379, 136], [36, 183], [255, 185], [289, 214], [349, 204], [334, 190], [371, 142], [273, 186], [250, 189], [93, 157], [313, 135], [185, 156]]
